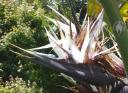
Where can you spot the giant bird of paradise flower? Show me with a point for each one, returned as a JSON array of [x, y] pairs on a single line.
[[82, 55]]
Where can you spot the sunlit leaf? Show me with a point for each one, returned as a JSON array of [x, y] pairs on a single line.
[[124, 12], [94, 8]]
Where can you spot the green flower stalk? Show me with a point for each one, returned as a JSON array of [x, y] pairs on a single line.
[[119, 28]]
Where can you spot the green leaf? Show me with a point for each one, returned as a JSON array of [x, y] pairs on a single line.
[[94, 8], [124, 12]]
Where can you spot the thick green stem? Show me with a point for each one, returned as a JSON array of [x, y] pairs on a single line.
[[119, 28]]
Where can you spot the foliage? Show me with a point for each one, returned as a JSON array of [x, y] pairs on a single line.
[[17, 85], [22, 24]]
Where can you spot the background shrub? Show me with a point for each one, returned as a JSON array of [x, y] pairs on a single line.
[[22, 24]]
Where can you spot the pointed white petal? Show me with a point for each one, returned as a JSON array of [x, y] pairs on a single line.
[[96, 28], [86, 42], [64, 27], [60, 14], [47, 46], [59, 50], [76, 54]]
